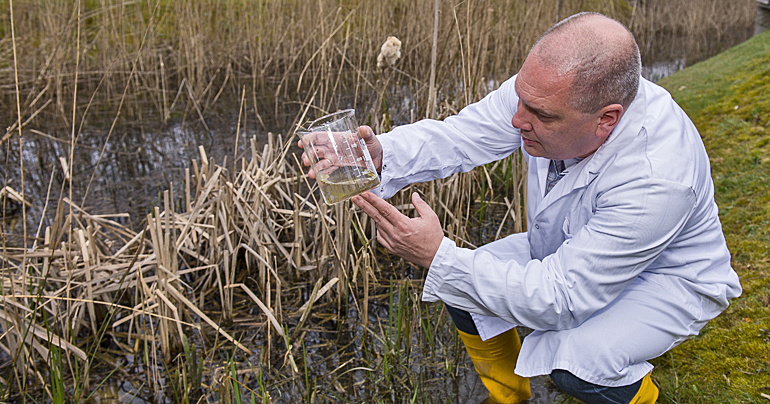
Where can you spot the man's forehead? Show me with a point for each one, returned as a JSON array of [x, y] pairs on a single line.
[[541, 82]]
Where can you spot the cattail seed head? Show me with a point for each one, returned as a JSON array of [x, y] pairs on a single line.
[[389, 52]]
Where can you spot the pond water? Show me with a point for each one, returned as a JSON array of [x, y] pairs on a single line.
[[136, 166], [114, 391], [660, 69]]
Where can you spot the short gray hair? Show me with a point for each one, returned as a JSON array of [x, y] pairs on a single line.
[[606, 70]]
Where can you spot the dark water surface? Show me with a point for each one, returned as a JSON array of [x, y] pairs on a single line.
[[127, 174]]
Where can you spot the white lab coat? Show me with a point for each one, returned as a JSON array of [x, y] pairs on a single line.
[[624, 259]]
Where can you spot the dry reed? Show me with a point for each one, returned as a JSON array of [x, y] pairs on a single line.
[[239, 237], [191, 59], [247, 236]]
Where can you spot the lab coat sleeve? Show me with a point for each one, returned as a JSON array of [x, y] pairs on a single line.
[[633, 223], [426, 150]]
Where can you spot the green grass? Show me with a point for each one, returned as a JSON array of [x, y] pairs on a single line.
[[728, 98]]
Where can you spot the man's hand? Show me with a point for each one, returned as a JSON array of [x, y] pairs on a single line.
[[373, 145], [415, 240], [364, 132]]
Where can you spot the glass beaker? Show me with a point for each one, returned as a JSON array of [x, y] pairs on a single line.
[[339, 157]]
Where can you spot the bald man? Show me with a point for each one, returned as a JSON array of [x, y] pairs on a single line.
[[624, 256]]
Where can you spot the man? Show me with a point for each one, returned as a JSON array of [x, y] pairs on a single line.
[[624, 256]]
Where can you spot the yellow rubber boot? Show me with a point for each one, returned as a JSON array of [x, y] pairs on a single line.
[[648, 392], [494, 360]]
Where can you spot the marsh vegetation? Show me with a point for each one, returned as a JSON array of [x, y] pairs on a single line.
[[232, 281]]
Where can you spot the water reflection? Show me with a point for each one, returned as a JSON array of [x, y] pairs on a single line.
[[657, 70], [117, 392], [128, 175]]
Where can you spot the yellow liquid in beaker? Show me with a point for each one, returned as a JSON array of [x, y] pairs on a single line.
[[339, 185]]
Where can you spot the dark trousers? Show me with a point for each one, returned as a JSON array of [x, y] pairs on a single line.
[[582, 390]]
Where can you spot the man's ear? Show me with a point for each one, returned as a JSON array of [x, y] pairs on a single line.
[[609, 117]]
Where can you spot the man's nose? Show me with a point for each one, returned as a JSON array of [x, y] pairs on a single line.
[[520, 121]]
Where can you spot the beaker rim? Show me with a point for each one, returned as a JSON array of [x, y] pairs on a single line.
[[324, 120]]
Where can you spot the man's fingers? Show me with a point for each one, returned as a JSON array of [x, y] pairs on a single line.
[[373, 207], [416, 240], [365, 133], [386, 211], [382, 234], [419, 204], [372, 144], [422, 207], [322, 165], [384, 240]]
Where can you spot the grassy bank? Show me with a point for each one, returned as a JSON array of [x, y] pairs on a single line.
[[728, 98]]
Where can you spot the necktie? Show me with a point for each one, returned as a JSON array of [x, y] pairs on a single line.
[[555, 173]]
